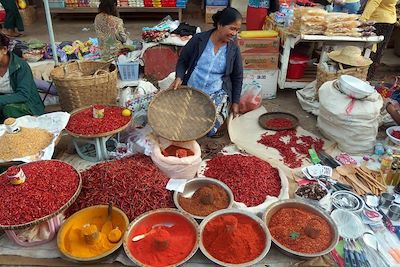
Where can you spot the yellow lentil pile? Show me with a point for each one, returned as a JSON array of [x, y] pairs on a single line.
[[27, 142]]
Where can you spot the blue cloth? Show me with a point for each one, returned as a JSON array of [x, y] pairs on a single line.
[[220, 99], [259, 3], [207, 75], [232, 79], [350, 8]]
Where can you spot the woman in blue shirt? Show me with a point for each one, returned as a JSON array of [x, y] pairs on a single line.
[[211, 62]]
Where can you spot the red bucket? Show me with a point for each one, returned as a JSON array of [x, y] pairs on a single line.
[[297, 65]]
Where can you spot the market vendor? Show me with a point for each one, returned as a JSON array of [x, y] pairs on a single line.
[[346, 6], [211, 62], [18, 92], [383, 13], [110, 29]]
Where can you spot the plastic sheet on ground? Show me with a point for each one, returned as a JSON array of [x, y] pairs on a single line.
[[53, 122], [245, 131]]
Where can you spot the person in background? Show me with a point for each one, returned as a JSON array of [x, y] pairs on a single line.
[[346, 6], [211, 62], [383, 12], [110, 29], [18, 92], [257, 11], [13, 19]]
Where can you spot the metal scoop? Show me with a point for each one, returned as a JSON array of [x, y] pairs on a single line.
[[140, 237]]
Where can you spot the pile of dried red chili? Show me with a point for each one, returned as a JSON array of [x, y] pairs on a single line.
[[164, 245], [300, 230], [205, 200], [49, 185], [279, 123], [133, 184], [83, 122], [250, 178], [234, 238], [177, 151], [396, 134], [292, 148]]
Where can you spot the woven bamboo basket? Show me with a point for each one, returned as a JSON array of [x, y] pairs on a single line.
[[323, 76], [81, 84], [181, 115]]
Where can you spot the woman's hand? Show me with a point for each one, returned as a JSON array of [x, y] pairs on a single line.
[[176, 83], [235, 110]]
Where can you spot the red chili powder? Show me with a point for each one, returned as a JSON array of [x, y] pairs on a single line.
[[292, 148], [83, 122], [279, 123], [177, 151], [13, 170], [164, 245], [49, 185], [396, 134], [234, 238], [250, 178], [300, 230]]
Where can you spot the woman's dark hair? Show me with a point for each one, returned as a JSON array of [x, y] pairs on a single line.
[[4, 41], [108, 6], [226, 16]]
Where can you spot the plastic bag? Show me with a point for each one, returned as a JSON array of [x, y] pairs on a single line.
[[174, 167], [251, 97]]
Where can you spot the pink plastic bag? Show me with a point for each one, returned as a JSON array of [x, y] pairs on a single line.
[[251, 97]]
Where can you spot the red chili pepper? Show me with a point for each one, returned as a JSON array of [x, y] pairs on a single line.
[[250, 178], [83, 122], [279, 123], [133, 184], [292, 148], [49, 185]]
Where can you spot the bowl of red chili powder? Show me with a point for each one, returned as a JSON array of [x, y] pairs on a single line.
[[168, 237], [203, 196], [300, 230], [233, 237], [394, 134]]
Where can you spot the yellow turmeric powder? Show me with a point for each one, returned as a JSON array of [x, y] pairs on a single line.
[[87, 233]]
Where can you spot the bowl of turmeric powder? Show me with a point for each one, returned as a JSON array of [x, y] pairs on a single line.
[[91, 235]]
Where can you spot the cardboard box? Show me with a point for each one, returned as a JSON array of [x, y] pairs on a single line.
[[266, 79], [265, 61], [210, 11], [259, 45]]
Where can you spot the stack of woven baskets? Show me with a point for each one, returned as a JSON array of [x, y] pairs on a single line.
[[81, 84]]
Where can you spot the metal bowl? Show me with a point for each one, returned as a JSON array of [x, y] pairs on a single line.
[[194, 184], [147, 215], [342, 198], [235, 211], [112, 253], [292, 203]]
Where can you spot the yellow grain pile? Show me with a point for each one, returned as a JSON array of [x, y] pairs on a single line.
[[27, 142]]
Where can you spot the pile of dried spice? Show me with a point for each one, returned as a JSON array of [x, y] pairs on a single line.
[[134, 184], [292, 148], [164, 246], [177, 151], [49, 185], [234, 238], [396, 134], [250, 178], [300, 230], [205, 200], [279, 123], [83, 123], [27, 142]]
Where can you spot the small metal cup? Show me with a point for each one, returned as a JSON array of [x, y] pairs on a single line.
[[394, 212], [386, 200]]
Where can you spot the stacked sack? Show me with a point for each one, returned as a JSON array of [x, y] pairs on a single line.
[[342, 24], [308, 20], [351, 123]]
